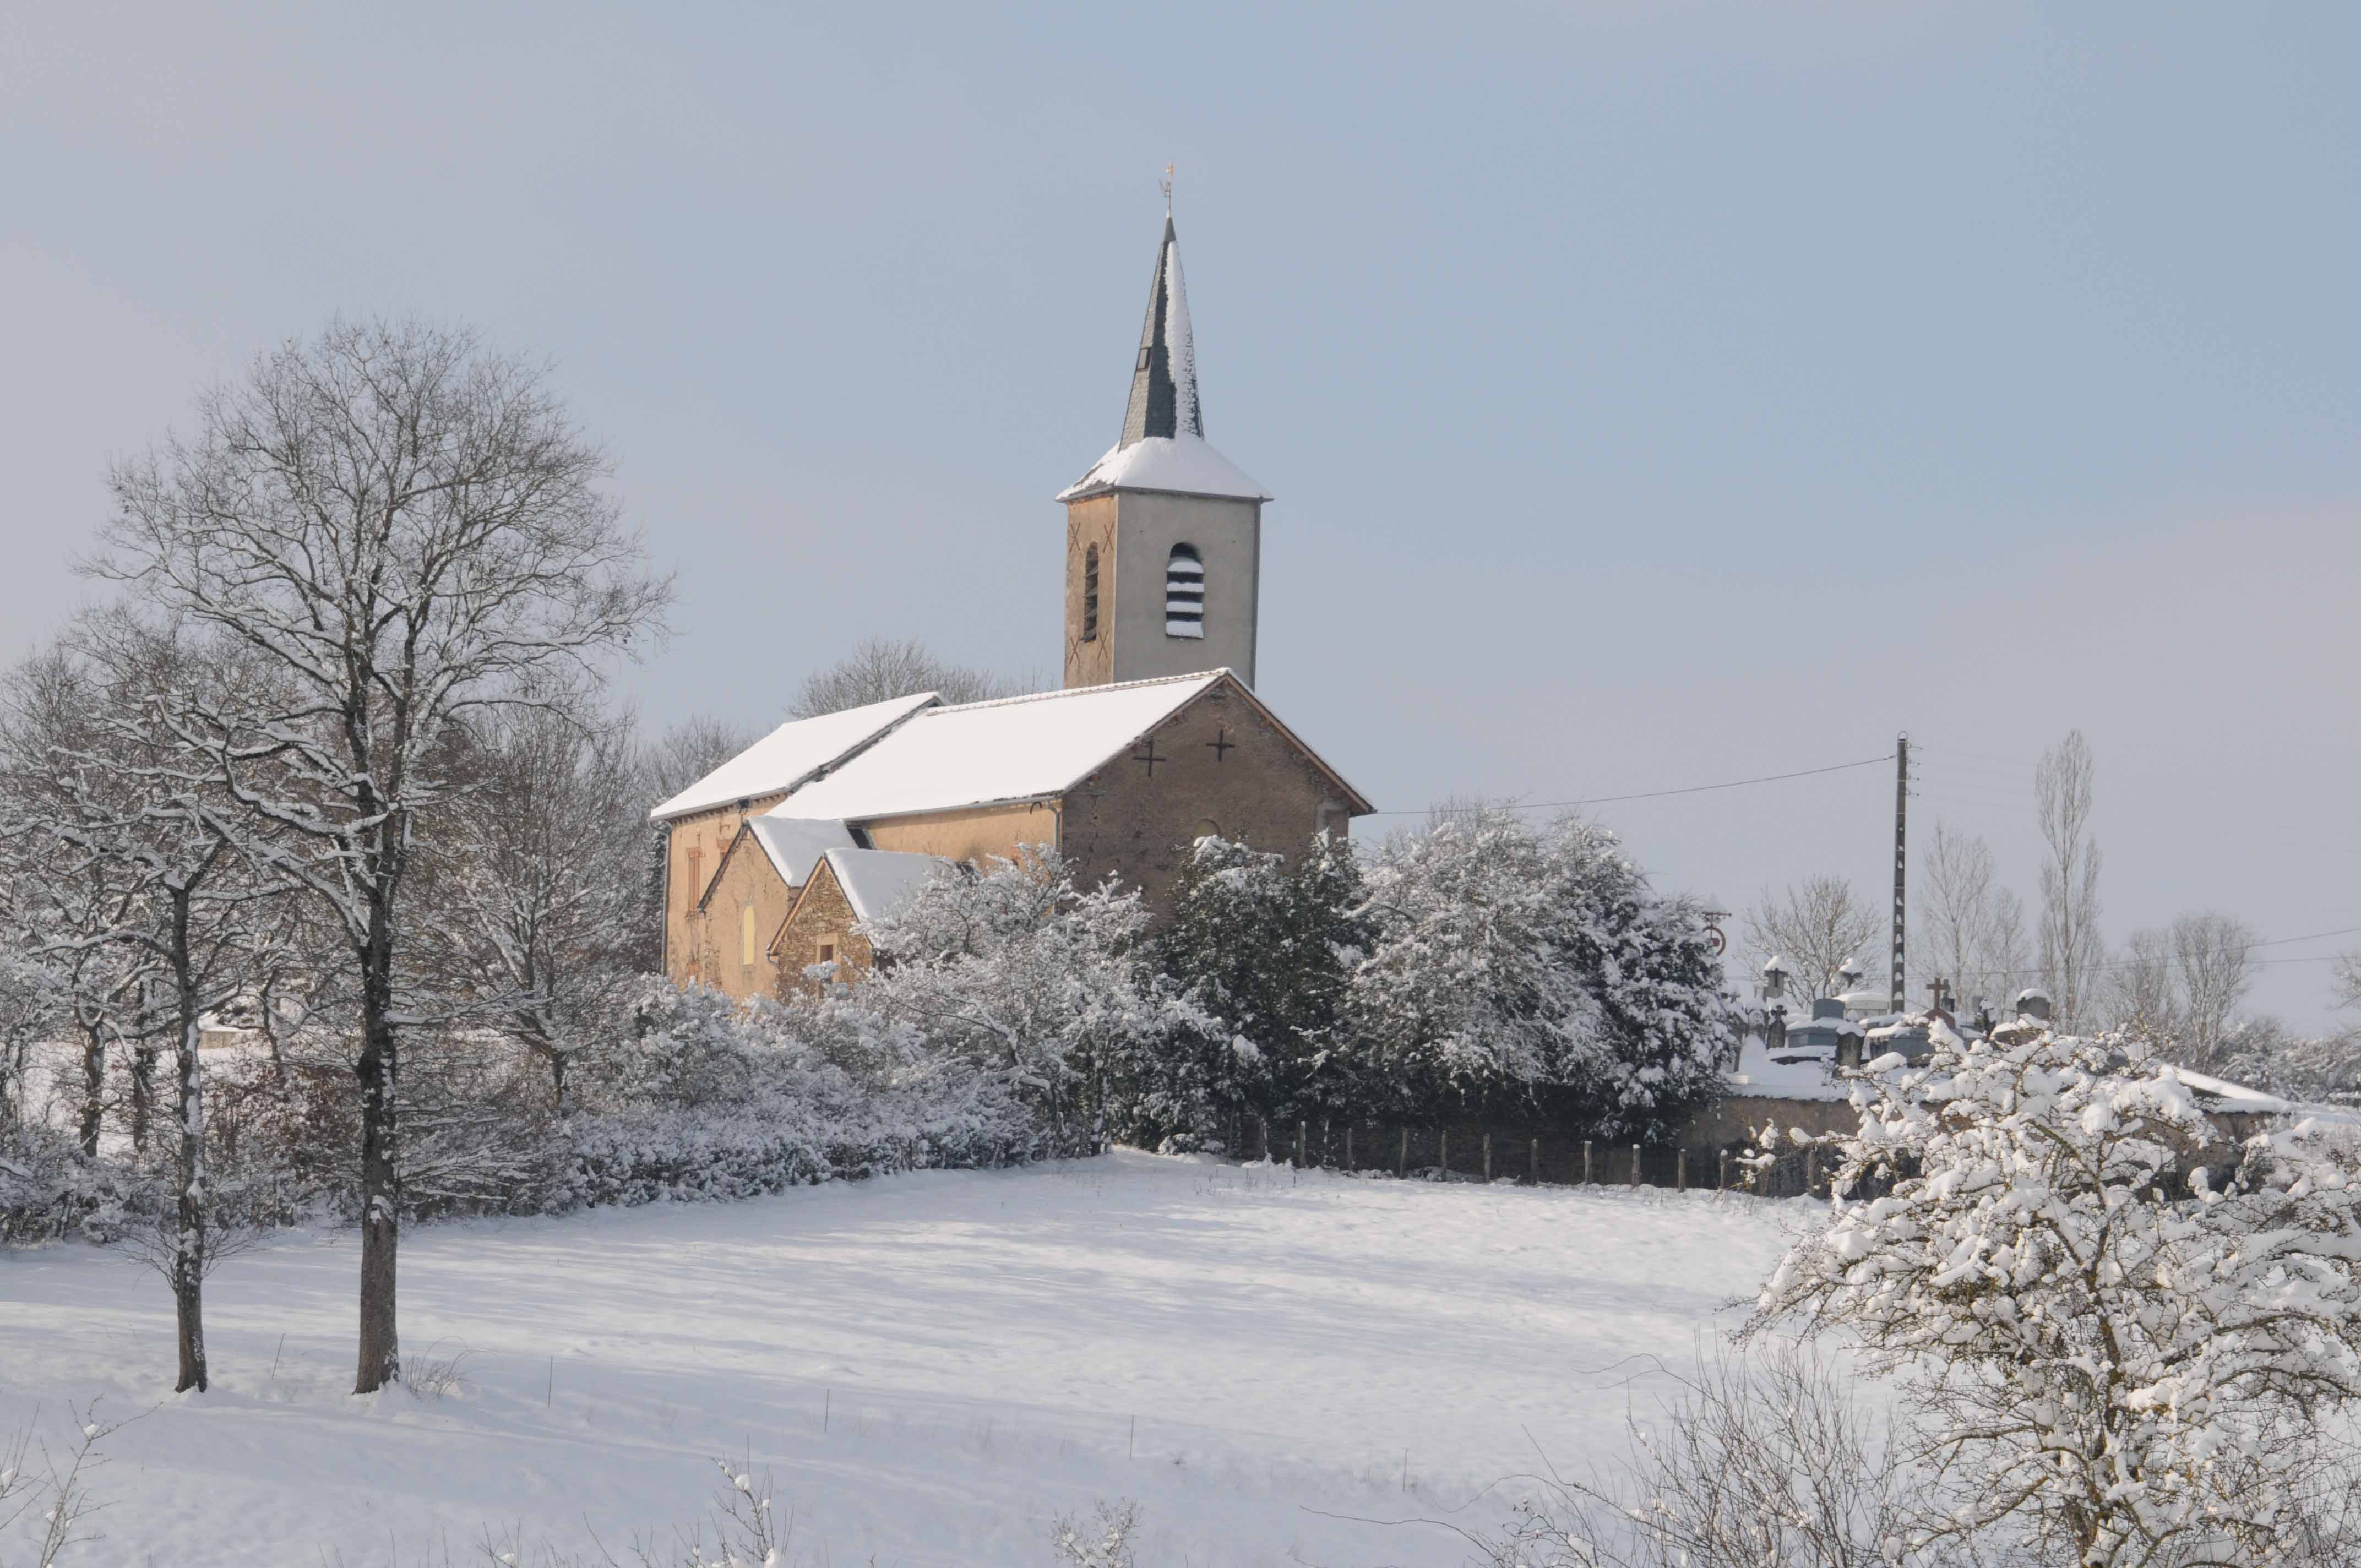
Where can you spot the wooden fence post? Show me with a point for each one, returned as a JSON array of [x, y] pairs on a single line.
[[1681, 1169], [1443, 1151], [1262, 1138], [1298, 1145], [1537, 1162], [1585, 1162], [1402, 1164], [1348, 1147], [1721, 1176], [1488, 1157], [1635, 1164]]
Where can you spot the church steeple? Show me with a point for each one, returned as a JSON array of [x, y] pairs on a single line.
[[1164, 378], [1163, 533]]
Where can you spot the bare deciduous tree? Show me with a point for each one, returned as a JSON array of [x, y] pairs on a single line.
[[2072, 947], [2143, 995], [1970, 930], [878, 669], [2213, 955], [406, 529], [1818, 928], [534, 874]]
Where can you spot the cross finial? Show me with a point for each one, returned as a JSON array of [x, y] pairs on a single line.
[[1165, 185]]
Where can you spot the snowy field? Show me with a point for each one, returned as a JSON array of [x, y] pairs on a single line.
[[930, 1367]]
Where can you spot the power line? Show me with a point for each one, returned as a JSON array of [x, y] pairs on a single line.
[[1658, 794], [2274, 942]]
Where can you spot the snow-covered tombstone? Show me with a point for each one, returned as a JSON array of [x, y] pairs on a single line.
[[406, 528], [1512, 967], [1034, 981], [2121, 1339], [1266, 946]]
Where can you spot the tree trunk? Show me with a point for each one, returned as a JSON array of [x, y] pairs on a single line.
[[142, 1094], [93, 1085], [377, 1071], [189, 1249]]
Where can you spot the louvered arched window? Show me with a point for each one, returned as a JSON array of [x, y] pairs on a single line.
[[1184, 593], [1091, 594]]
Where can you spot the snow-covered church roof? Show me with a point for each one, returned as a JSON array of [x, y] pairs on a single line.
[[791, 754], [1163, 445], [985, 753]]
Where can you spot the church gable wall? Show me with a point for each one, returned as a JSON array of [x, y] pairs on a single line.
[[822, 918], [975, 834], [693, 850], [1222, 769], [744, 908]]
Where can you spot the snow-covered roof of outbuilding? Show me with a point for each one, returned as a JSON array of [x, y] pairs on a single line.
[[795, 843], [792, 755], [877, 883]]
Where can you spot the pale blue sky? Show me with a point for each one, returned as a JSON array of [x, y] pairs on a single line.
[[1655, 393]]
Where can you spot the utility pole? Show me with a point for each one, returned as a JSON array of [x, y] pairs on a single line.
[[1901, 853]]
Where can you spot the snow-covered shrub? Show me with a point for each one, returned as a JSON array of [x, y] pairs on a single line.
[[2112, 1348], [703, 1098], [49, 1190], [1266, 947], [1517, 967], [1766, 1461], [1035, 984], [1104, 1543]]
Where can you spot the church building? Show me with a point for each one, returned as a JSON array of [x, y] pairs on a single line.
[[775, 858]]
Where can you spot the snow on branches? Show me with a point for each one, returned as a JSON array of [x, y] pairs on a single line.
[[2121, 1337], [1509, 960]]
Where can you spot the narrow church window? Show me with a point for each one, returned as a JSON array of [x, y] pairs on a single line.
[[746, 937], [828, 952], [1091, 594], [1184, 593]]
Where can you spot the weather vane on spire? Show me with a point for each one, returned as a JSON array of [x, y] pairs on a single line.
[[1165, 185]]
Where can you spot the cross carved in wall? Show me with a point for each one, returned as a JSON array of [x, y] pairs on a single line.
[[1150, 757], [1222, 743]]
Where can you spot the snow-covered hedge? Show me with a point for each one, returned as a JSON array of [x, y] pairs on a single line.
[[51, 1190]]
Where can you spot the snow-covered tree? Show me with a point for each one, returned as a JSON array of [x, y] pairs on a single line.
[[139, 805], [2114, 1344], [532, 871], [62, 902], [1266, 947], [1510, 966], [406, 529], [1019, 972]]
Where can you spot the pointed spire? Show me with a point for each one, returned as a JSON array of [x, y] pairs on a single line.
[[1164, 377]]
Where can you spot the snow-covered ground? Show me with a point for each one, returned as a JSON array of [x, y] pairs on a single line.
[[931, 1366]]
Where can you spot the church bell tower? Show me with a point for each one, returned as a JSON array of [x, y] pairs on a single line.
[[1163, 535]]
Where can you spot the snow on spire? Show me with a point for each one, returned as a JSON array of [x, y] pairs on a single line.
[[1164, 377], [1178, 344], [1163, 445]]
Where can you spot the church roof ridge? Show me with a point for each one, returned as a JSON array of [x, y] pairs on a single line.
[[1081, 691]]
